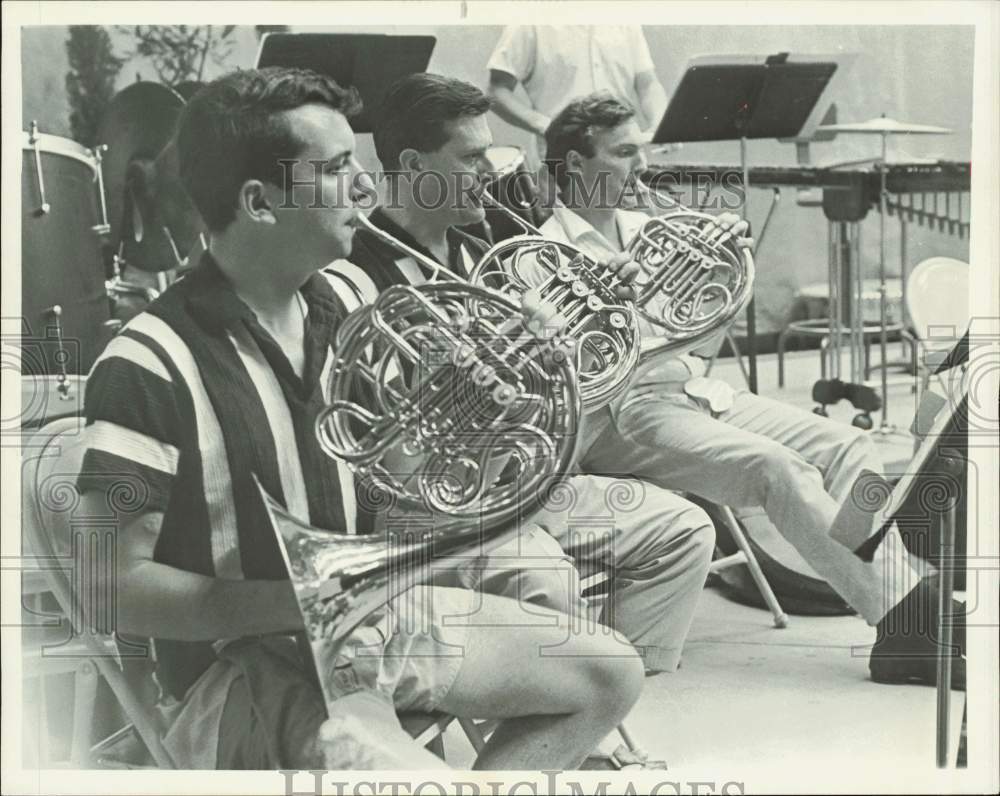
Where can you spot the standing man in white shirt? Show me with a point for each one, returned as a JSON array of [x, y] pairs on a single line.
[[557, 64], [681, 430]]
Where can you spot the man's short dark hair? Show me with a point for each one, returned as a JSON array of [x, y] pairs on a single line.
[[415, 111], [575, 126], [233, 130]]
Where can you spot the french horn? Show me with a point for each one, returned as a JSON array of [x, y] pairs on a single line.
[[694, 278], [442, 398], [340, 580], [457, 416], [604, 326]]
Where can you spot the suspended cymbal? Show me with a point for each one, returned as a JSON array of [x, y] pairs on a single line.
[[138, 124], [883, 126]]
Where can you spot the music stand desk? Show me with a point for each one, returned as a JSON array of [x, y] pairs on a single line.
[[727, 98]]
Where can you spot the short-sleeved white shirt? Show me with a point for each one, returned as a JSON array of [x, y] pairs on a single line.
[[559, 64]]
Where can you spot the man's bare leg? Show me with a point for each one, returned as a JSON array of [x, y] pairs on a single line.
[[561, 693]]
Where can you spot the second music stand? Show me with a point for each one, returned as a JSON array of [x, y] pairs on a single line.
[[727, 98]]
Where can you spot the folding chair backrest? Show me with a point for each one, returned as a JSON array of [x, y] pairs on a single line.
[[50, 463], [937, 297]]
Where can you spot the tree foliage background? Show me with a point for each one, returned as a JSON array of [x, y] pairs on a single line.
[[179, 53], [90, 82]]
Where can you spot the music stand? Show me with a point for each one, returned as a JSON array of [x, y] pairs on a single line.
[[727, 98], [370, 62], [939, 468]]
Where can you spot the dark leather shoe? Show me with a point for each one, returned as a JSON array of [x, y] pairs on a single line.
[[914, 671], [906, 649]]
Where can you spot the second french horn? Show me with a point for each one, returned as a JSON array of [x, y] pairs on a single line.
[[695, 278]]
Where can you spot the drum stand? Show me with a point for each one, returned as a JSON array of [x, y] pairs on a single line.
[[884, 127]]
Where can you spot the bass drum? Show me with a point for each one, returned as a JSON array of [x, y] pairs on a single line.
[[62, 262], [798, 588]]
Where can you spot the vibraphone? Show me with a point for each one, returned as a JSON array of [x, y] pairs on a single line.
[[935, 195], [930, 193]]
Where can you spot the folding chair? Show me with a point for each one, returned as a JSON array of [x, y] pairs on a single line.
[[746, 556], [51, 461]]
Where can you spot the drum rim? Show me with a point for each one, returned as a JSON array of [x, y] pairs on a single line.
[[59, 145]]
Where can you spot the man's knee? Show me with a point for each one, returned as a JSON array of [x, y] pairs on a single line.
[[859, 451], [702, 532], [556, 586], [702, 535], [613, 677], [531, 569], [776, 467], [690, 528]]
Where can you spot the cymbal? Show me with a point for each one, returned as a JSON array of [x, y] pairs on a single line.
[[883, 125], [138, 124]]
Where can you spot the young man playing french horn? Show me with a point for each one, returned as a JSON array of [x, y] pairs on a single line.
[[682, 430], [220, 380], [657, 545]]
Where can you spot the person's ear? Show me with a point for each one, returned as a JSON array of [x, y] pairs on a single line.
[[255, 203], [411, 160], [574, 160]]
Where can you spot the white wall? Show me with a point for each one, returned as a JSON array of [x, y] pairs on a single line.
[[913, 73]]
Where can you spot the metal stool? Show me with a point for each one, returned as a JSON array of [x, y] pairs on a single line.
[[827, 329]]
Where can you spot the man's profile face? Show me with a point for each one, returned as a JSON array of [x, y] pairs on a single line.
[[616, 164], [461, 162], [317, 213]]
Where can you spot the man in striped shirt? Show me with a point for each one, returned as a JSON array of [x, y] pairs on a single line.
[[431, 135], [220, 380]]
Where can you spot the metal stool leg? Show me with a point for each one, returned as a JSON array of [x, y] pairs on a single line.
[[782, 336], [739, 357], [780, 617]]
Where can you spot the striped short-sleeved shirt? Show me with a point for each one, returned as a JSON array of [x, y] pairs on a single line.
[[191, 400], [375, 265]]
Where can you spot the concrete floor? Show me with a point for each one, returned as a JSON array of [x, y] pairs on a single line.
[[790, 709], [754, 703]]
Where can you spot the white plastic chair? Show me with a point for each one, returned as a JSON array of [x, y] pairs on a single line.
[[937, 299]]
